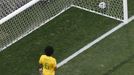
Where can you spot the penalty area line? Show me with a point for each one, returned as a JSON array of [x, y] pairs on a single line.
[[94, 42]]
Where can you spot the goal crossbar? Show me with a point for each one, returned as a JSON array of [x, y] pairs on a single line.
[[16, 12]]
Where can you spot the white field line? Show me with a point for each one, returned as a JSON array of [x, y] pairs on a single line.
[[94, 42]]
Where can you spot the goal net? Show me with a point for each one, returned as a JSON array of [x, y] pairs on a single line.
[[18, 18], [116, 9]]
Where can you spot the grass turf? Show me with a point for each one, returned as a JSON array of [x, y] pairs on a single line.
[[67, 33]]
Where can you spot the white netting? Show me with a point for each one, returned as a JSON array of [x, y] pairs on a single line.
[[43, 11]]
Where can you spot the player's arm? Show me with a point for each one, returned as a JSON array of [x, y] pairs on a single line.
[[40, 69], [40, 66]]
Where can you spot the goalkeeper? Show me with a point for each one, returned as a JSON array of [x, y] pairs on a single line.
[[47, 64]]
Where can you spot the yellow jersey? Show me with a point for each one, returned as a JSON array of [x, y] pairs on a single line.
[[49, 64]]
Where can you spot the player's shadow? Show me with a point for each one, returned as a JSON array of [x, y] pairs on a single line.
[[119, 65]]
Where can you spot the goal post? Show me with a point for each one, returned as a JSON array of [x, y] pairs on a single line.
[[125, 10]]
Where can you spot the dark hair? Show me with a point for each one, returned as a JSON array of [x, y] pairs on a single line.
[[49, 50]]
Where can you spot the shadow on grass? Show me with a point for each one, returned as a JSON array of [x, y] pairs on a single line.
[[119, 65]]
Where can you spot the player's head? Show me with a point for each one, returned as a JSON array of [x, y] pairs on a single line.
[[49, 50]]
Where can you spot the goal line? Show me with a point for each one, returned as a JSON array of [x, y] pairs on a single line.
[[94, 42]]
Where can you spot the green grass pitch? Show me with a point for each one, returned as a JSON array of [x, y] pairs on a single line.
[[67, 33]]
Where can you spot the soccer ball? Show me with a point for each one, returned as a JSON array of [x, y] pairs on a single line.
[[102, 5]]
